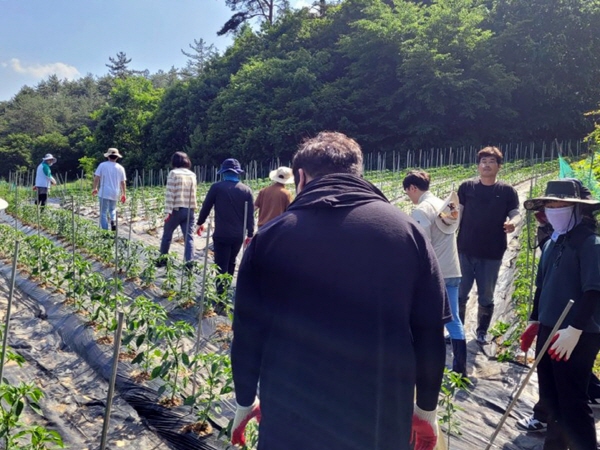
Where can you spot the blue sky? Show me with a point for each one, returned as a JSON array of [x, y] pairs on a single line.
[[71, 38]]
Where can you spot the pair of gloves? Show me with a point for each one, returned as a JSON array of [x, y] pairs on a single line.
[[563, 342], [424, 431]]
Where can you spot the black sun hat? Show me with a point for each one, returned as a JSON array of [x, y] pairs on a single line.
[[566, 190]]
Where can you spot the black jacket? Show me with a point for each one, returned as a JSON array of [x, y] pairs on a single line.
[[228, 198], [339, 313]]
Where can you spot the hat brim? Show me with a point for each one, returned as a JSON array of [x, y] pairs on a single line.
[[49, 159], [3, 204], [273, 177], [447, 219], [536, 204], [238, 171], [118, 155]]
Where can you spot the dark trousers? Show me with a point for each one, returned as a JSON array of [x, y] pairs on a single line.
[[226, 251], [183, 218], [563, 386], [41, 199], [540, 409]]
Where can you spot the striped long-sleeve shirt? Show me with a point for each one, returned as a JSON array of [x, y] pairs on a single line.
[[181, 190]]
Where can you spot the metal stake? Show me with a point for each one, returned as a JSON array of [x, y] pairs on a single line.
[[533, 367], [113, 378]]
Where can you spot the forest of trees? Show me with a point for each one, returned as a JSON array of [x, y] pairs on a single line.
[[393, 74]]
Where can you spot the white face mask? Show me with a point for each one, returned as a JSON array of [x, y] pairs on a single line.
[[561, 219]]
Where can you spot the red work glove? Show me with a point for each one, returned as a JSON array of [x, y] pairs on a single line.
[[95, 192], [424, 429], [200, 230], [35, 188], [168, 217], [243, 415], [123, 198], [247, 242], [529, 335], [563, 343]]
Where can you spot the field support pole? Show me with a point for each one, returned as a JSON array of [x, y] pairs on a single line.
[[8, 308], [113, 379], [531, 370]]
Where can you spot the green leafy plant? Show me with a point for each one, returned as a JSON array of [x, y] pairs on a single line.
[[451, 384]]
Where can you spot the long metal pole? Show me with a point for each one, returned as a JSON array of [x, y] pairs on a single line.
[[201, 308], [8, 308], [113, 378], [533, 367]]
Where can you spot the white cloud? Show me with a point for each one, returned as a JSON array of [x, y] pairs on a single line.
[[39, 71]]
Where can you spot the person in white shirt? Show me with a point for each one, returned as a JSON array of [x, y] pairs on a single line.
[[44, 179], [439, 219], [109, 186]]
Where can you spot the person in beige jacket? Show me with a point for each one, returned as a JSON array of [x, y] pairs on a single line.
[[439, 219]]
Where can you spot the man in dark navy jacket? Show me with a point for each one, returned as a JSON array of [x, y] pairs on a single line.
[[339, 315], [230, 198]]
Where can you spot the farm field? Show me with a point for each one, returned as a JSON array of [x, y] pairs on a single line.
[[174, 376]]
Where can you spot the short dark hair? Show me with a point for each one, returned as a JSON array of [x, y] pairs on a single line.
[[113, 157], [493, 152], [418, 178], [328, 152], [180, 159]]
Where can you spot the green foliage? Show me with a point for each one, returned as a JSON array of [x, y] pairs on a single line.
[[87, 164], [452, 383], [16, 434]]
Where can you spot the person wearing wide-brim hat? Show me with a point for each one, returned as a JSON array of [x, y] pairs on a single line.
[[44, 179], [569, 268], [109, 185], [274, 200], [230, 198]]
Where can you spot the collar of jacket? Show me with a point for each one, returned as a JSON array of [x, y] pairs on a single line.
[[337, 191]]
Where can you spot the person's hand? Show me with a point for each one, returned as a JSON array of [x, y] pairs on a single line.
[[123, 198], [563, 343], [243, 415], [424, 431], [53, 182], [247, 242], [35, 188], [509, 227], [95, 192], [200, 230], [168, 217], [529, 335]]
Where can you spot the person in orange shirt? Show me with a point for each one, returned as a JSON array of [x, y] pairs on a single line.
[[274, 200]]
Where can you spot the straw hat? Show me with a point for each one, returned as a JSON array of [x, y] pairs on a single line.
[[447, 217], [283, 175], [112, 152]]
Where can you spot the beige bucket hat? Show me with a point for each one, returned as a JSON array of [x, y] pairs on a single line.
[[283, 175], [112, 152]]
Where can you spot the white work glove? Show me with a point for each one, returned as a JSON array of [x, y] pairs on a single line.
[[563, 343], [243, 415], [424, 429]]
